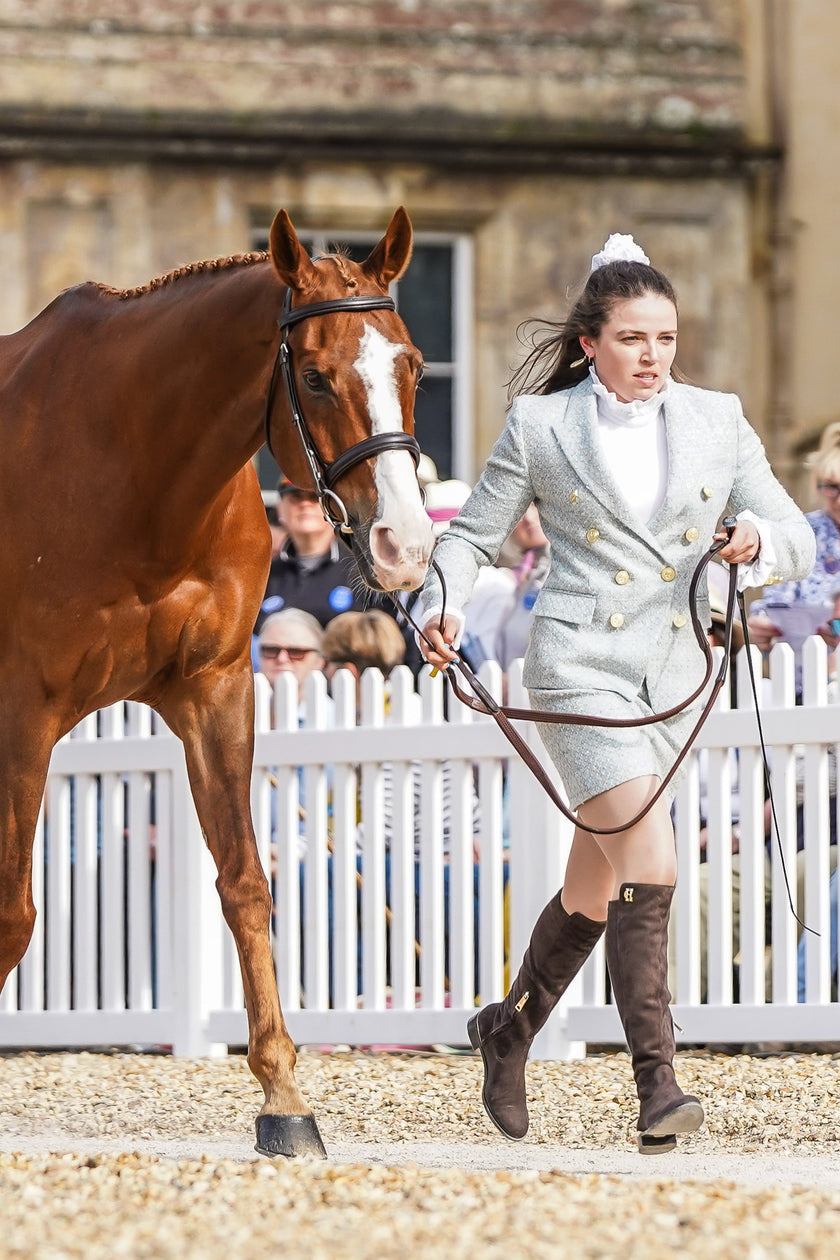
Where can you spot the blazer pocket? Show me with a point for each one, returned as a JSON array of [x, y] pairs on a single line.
[[576, 607]]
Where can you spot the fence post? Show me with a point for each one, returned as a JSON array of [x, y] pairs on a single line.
[[540, 840], [816, 822]]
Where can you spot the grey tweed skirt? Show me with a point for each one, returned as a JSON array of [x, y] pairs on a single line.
[[592, 759]]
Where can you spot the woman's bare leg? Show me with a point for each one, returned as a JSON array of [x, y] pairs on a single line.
[[643, 854], [589, 881]]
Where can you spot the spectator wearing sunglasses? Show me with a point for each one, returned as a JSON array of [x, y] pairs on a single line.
[[290, 642], [313, 569], [820, 585]]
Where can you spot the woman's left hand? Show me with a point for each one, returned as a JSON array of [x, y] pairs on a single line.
[[743, 544]]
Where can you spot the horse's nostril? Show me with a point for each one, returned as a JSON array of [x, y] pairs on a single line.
[[384, 546]]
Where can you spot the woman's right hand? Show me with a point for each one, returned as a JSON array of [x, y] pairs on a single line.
[[438, 651]]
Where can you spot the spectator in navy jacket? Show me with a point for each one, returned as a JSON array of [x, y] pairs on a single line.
[[313, 569]]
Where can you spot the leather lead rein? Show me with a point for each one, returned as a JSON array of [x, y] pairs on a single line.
[[482, 702], [504, 715]]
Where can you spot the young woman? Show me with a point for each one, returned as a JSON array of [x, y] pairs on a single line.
[[631, 473]]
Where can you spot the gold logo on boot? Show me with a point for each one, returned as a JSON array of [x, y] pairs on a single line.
[[522, 1001], [628, 894]]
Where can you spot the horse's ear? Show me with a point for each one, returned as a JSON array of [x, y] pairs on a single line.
[[389, 259], [291, 261]]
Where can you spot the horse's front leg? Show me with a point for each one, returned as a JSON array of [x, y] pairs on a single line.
[[214, 716], [26, 738]]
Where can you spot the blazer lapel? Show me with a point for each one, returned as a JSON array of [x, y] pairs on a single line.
[[576, 435], [681, 459]]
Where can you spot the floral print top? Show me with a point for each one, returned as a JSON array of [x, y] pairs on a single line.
[[822, 583]]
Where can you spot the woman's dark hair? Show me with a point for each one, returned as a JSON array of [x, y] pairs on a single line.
[[556, 346]]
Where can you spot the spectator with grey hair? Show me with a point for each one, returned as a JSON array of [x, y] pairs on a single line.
[[290, 642]]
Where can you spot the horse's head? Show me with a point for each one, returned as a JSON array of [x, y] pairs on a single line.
[[350, 374]]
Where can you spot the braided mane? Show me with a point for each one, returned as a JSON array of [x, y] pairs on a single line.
[[189, 269], [219, 264]]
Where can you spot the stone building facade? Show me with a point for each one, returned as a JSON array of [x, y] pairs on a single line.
[[518, 134]]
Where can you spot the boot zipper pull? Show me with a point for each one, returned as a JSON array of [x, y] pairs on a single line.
[[524, 999]]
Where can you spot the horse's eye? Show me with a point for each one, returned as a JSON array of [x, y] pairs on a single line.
[[313, 379]]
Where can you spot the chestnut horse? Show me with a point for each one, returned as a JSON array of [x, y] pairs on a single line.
[[136, 543]]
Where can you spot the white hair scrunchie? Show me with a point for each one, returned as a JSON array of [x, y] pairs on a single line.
[[619, 248]]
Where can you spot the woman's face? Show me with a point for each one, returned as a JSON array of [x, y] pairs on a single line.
[[829, 490], [634, 351]]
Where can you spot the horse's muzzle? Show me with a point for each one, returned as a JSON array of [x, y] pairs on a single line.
[[399, 562]]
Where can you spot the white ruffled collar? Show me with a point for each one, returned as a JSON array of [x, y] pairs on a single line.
[[631, 415]]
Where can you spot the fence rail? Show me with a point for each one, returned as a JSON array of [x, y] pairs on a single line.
[[409, 856]]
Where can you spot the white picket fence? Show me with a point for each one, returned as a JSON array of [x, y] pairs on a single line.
[[376, 944]]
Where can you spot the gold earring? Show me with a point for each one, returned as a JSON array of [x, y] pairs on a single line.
[[578, 362]]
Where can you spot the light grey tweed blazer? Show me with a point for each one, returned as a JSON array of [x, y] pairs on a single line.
[[612, 616]]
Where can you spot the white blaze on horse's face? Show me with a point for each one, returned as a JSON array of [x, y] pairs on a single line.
[[401, 536]]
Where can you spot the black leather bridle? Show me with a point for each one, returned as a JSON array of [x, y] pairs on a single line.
[[324, 476]]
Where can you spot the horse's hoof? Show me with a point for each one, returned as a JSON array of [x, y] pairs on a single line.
[[291, 1136]]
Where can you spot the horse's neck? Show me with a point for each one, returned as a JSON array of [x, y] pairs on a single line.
[[219, 357]]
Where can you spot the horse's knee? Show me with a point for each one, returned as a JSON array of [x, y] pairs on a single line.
[[244, 894]]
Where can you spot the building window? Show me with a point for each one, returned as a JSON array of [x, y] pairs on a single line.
[[434, 298]]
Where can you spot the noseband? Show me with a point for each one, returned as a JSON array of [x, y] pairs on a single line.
[[324, 476]]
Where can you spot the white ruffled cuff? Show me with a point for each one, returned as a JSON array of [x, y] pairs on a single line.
[[763, 566], [433, 614]]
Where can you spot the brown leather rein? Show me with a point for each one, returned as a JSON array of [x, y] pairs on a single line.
[[482, 702]]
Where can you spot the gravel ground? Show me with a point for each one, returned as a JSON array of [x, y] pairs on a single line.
[[133, 1155]]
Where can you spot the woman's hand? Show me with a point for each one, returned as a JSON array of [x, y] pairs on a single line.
[[743, 544], [438, 651], [763, 633]]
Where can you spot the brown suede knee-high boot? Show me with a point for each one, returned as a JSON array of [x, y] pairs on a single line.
[[503, 1031], [637, 957]]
